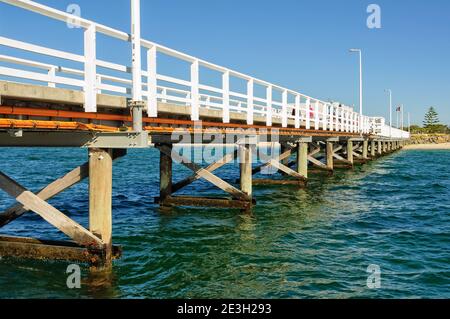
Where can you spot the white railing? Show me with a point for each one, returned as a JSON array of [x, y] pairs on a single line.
[[379, 127], [295, 109]]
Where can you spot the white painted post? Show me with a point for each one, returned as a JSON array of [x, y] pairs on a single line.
[[164, 95], [195, 101], [331, 117], [358, 123], [269, 93], [99, 83], [250, 106], [352, 124], [136, 49], [226, 96], [316, 115], [325, 116], [52, 75], [349, 116], [297, 111], [344, 120], [284, 110], [90, 70], [340, 119], [308, 113], [152, 84]]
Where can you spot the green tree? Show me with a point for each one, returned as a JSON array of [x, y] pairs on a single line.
[[431, 120]]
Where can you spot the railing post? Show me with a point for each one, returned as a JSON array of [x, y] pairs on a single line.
[[347, 121], [352, 122], [316, 116], [325, 116], [99, 84], [269, 93], [136, 50], [250, 105], [52, 75], [308, 114], [195, 101], [358, 122], [331, 117], [90, 70], [297, 111], [226, 96], [152, 83], [137, 104], [284, 111]]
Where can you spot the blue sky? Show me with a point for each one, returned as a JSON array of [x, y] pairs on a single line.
[[298, 44]]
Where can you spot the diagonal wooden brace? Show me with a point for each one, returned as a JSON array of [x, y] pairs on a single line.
[[205, 174], [275, 163], [282, 157], [357, 155], [211, 168], [338, 157], [53, 216], [53, 189], [56, 187]]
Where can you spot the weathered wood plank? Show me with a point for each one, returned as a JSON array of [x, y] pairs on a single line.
[[302, 159], [206, 202], [329, 154], [100, 197], [30, 248], [245, 165], [296, 182]]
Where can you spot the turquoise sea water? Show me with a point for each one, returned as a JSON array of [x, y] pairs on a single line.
[[313, 243]]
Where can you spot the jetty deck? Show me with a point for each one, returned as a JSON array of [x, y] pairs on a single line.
[[53, 105]]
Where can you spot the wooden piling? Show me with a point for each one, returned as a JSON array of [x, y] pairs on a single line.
[[372, 149], [100, 197], [350, 151], [302, 159], [165, 176], [330, 155], [245, 158], [365, 149]]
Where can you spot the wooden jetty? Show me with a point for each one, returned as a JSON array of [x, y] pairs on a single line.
[[50, 105]]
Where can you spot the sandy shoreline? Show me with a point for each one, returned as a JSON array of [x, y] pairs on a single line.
[[443, 146]]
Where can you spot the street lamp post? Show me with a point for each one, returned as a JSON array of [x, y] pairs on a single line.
[[409, 123], [390, 111], [360, 84], [402, 122]]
